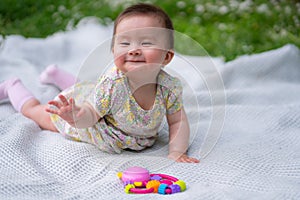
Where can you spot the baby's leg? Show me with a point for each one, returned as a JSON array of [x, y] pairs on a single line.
[[24, 101], [53, 75], [34, 110], [16, 92]]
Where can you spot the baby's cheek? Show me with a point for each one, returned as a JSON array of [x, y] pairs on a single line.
[[120, 51], [119, 59], [120, 64]]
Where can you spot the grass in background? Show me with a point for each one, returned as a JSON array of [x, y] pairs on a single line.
[[226, 28]]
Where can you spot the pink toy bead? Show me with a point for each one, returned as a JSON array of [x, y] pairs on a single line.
[[141, 191], [164, 176], [168, 191], [136, 174], [166, 181]]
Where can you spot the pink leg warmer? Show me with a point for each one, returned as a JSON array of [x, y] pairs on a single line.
[[16, 92], [58, 77]]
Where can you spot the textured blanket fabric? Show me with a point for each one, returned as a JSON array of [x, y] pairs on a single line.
[[246, 130]]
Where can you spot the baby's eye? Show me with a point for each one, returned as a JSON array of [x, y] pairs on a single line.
[[147, 43], [124, 43]]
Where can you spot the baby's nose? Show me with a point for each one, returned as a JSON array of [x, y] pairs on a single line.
[[135, 52]]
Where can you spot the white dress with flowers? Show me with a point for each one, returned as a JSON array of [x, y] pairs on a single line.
[[123, 124]]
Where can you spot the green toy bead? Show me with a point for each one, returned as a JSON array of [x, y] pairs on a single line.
[[181, 184]]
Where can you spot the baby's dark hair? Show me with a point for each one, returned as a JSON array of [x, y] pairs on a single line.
[[147, 9]]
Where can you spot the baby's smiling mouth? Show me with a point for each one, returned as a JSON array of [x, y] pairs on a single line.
[[135, 61]]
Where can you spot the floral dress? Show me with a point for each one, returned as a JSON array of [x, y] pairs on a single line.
[[123, 123]]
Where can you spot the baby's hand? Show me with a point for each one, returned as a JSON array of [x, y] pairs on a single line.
[[67, 110], [179, 157]]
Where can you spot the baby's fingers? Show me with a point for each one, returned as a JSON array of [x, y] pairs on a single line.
[[72, 102], [55, 103], [193, 160], [187, 159], [63, 100], [49, 110]]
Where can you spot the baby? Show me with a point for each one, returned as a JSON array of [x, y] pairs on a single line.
[[126, 106]]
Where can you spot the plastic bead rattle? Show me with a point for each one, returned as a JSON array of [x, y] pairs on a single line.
[[137, 180]]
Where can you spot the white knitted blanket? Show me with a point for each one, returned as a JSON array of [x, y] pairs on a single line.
[[247, 131]]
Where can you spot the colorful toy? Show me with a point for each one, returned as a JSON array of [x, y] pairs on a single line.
[[138, 180]]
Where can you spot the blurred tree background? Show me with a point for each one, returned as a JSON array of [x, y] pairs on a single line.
[[227, 28]]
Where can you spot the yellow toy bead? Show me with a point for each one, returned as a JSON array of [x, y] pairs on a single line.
[[128, 187], [119, 175], [153, 184], [138, 184], [181, 185]]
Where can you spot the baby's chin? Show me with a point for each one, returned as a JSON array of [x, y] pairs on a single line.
[[142, 70], [135, 66], [144, 64]]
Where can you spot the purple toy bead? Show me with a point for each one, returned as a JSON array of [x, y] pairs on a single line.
[[156, 177], [175, 188], [127, 182]]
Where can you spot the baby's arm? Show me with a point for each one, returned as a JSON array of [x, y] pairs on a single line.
[[83, 116], [179, 133]]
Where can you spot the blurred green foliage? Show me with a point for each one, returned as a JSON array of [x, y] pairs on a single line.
[[227, 28]]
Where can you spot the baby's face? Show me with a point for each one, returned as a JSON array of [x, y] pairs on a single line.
[[140, 41]]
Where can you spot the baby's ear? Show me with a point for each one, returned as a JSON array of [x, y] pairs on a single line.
[[169, 56]]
